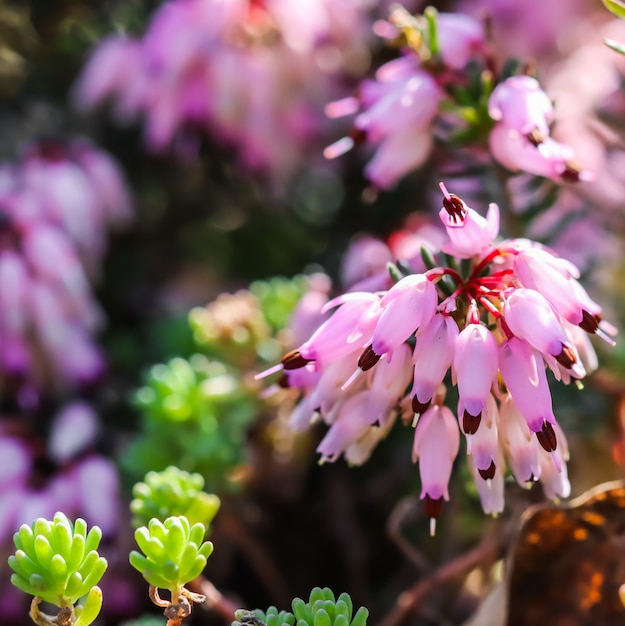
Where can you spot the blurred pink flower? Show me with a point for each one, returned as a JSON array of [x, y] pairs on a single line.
[[252, 75], [56, 205]]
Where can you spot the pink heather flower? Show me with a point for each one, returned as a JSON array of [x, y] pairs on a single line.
[[522, 449], [388, 382], [57, 203], [351, 425], [460, 38], [483, 445], [380, 354], [331, 340], [474, 369], [530, 316], [407, 306], [523, 372], [252, 75], [436, 444], [553, 475], [549, 158], [398, 110], [470, 234], [432, 358]]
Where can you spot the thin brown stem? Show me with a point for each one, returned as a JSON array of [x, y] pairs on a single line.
[[409, 601]]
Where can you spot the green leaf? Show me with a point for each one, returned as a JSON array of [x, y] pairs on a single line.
[[91, 608], [615, 6]]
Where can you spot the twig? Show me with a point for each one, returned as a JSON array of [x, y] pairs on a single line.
[[405, 510], [409, 601]]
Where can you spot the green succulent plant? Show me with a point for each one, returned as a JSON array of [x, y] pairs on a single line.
[[196, 414], [58, 562], [322, 609], [174, 552], [173, 492]]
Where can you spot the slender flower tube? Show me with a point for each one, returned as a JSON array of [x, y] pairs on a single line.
[[474, 370], [521, 448], [436, 444], [407, 306], [432, 357], [523, 373]]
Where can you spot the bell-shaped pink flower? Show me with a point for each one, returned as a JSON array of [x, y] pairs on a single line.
[[490, 490], [432, 357], [554, 475], [474, 369], [521, 447], [524, 374], [407, 306], [530, 316], [483, 445], [331, 340], [469, 233], [550, 158], [436, 444]]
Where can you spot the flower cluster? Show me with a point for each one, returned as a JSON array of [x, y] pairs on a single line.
[[498, 316], [420, 95], [252, 74], [55, 204], [521, 140]]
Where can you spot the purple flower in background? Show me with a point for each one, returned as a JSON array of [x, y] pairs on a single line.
[[253, 75], [515, 311], [56, 205]]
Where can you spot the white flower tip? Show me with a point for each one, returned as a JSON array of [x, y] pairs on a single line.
[[469, 439], [415, 419], [600, 333], [432, 526], [351, 379], [556, 461], [269, 372], [341, 108], [489, 483], [444, 191], [338, 148]]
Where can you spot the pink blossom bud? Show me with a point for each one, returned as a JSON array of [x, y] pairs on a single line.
[[436, 444], [550, 158], [407, 306], [432, 356], [474, 369], [524, 374]]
